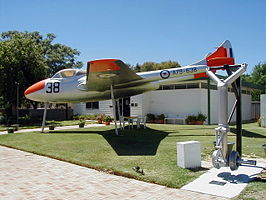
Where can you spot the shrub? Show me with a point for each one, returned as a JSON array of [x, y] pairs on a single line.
[[26, 119], [82, 123], [108, 118], [161, 117], [150, 117], [191, 119], [76, 117], [52, 122], [201, 117], [3, 120], [100, 116], [259, 121]]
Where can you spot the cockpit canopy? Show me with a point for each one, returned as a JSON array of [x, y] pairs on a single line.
[[67, 73]]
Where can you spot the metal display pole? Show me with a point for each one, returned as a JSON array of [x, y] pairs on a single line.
[[209, 101], [237, 106], [17, 100], [114, 108], [239, 118], [119, 113], [44, 116]]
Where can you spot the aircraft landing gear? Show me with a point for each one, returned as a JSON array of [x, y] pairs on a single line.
[[223, 155], [234, 157], [219, 156], [235, 161], [216, 161]]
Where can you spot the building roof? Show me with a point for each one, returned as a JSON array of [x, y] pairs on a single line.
[[244, 83]]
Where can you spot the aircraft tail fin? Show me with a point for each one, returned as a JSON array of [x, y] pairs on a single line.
[[222, 56]]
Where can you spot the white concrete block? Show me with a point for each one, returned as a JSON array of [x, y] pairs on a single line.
[[188, 154]]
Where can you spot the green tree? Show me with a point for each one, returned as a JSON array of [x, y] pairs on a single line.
[[137, 68], [257, 76], [148, 66], [167, 65], [28, 57], [151, 66]]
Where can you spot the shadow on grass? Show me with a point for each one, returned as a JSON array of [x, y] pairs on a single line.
[[130, 142], [136, 142], [246, 133]]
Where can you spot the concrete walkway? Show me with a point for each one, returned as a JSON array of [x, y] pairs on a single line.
[[56, 128], [29, 176], [226, 183]]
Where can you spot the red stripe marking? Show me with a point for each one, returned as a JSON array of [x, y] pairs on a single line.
[[35, 87], [103, 65], [220, 61], [220, 52]]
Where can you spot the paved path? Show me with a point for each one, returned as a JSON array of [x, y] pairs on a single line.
[[226, 183], [29, 176], [56, 128]]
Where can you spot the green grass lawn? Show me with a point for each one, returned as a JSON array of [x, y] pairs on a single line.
[[153, 149]]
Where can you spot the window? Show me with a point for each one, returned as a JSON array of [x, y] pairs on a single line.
[[181, 86], [68, 73], [204, 85], [213, 87], [92, 105], [192, 85], [168, 87], [81, 73], [57, 75]]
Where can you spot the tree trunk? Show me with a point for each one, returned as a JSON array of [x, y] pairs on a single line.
[[14, 109]]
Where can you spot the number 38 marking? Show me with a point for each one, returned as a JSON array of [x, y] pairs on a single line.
[[53, 87]]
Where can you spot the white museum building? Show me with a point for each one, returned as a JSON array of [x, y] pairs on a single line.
[[176, 101]]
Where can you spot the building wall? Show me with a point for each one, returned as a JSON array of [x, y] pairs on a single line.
[[183, 102], [173, 103], [104, 107], [137, 105], [246, 106]]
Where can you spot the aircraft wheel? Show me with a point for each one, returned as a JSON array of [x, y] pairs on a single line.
[[233, 160], [215, 159]]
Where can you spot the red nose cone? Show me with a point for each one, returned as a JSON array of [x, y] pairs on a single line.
[[37, 86]]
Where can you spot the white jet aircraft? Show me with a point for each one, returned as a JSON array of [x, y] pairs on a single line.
[[112, 79]]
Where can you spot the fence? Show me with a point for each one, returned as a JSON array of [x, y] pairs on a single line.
[[255, 110], [52, 114]]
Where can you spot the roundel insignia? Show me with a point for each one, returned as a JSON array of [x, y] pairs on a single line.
[[165, 74]]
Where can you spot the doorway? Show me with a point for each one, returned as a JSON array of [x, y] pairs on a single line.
[[124, 105]]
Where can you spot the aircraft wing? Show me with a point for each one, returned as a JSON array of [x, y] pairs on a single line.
[[101, 74]]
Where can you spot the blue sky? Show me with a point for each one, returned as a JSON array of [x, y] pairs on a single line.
[[136, 31]]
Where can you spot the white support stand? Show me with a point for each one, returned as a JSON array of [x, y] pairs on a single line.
[[114, 108], [220, 156], [119, 113], [44, 115]]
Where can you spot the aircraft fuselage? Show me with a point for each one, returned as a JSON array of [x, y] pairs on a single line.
[[74, 89]]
